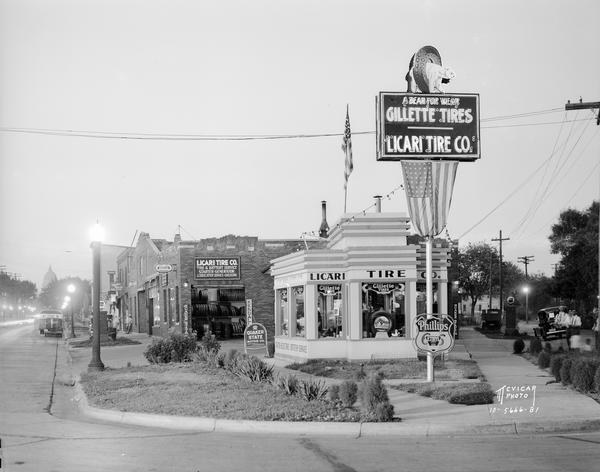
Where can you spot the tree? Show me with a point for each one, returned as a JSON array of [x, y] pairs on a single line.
[[575, 238], [15, 291], [53, 295], [474, 270]]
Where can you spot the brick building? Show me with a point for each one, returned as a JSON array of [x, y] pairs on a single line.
[[206, 284]]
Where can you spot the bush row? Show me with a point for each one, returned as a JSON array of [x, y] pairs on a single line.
[[582, 372]]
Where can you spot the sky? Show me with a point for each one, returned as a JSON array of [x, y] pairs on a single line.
[[79, 80]]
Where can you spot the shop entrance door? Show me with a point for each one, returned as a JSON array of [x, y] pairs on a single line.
[[150, 315]]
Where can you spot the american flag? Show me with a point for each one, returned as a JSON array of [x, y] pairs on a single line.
[[347, 148], [428, 186]]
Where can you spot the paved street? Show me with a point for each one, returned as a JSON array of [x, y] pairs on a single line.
[[64, 440]]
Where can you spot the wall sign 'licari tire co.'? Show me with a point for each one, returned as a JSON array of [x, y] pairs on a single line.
[[217, 268], [427, 126]]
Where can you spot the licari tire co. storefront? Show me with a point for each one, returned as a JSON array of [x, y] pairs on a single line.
[[357, 298]]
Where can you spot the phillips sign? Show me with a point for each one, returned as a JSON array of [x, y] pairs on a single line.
[[427, 126]]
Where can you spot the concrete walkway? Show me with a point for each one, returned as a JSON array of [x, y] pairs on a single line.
[[527, 401]]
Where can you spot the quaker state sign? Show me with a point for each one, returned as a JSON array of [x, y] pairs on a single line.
[[433, 333]]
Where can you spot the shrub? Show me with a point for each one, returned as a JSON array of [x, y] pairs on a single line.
[[361, 375], [535, 346], [565, 371], [372, 393], [182, 346], [174, 348], [518, 346], [582, 374], [271, 349], [548, 347], [597, 380], [348, 393], [312, 390], [252, 369], [544, 359], [555, 365], [333, 393], [384, 412], [289, 384], [209, 342]]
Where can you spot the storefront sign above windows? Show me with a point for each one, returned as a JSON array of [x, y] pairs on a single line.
[[216, 268], [386, 274], [327, 276], [427, 126], [383, 288]]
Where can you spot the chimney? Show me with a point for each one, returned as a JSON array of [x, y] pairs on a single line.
[[377, 203], [324, 228]]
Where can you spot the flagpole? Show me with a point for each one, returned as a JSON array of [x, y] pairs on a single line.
[[429, 295]]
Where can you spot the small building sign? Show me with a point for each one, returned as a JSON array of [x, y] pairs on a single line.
[[163, 268], [433, 333], [427, 126], [255, 337], [217, 268]]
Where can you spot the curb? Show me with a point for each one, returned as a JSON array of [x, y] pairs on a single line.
[[424, 429]]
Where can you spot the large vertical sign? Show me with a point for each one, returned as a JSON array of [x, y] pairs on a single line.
[[426, 126], [248, 311]]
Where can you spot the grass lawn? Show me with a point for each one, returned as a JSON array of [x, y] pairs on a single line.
[[391, 369], [463, 394], [194, 389], [118, 342]]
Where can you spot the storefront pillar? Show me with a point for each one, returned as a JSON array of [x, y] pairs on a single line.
[[411, 306], [442, 296], [354, 309], [310, 310]]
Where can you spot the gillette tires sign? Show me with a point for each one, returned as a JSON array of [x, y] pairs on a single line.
[[427, 126]]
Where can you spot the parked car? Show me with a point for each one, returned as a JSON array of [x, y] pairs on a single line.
[[547, 328], [491, 319]]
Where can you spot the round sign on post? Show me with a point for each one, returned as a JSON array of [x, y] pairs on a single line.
[[433, 333], [255, 337], [162, 268]]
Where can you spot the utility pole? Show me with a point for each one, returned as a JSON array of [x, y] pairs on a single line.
[[500, 239], [590, 106], [526, 260]]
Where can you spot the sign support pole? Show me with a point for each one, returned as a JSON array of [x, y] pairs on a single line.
[[429, 295]]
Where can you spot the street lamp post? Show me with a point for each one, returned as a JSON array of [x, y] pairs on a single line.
[[97, 235], [526, 292], [71, 289]]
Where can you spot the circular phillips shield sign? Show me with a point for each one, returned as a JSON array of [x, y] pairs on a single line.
[[433, 333]]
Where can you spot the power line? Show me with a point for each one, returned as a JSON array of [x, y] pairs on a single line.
[[216, 137]]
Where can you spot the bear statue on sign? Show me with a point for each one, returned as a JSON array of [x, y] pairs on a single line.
[[426, 73]]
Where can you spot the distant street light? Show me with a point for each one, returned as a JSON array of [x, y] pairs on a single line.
[[525, 290], [97, 234], [71, 289]]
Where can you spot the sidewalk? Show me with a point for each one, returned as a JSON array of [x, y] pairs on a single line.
[[536, 407]]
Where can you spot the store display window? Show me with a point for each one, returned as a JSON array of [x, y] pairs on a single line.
[[282, 311], [422, 297], [329, 310], [383, 310], [298, 310]]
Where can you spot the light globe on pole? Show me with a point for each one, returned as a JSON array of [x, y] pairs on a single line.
[[525, 290], [71, 289]]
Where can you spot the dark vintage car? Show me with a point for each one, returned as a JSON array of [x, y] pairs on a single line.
[[547, 329], [491, 319]]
